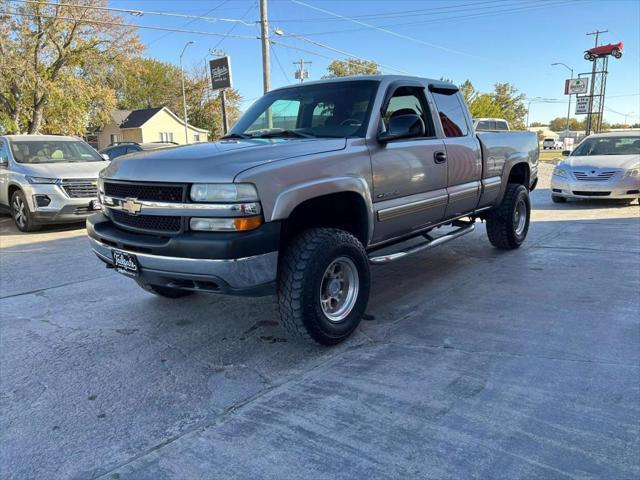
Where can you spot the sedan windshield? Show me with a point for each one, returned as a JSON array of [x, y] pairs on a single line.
[[335, 109], [608, 146], [53, 151]]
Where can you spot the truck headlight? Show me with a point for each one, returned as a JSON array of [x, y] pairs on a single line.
[[634, 171], [223, 192], [31, 179], [225, 224], [560, 172]]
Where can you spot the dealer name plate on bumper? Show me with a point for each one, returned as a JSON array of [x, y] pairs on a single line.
[[125, 263]]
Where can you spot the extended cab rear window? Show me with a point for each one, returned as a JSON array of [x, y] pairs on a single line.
[[452, 114]]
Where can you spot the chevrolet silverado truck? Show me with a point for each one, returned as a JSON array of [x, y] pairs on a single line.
[[314, 183]]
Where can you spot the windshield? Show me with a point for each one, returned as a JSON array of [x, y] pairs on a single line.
[[336, 109], [608, 146], [53, 151]]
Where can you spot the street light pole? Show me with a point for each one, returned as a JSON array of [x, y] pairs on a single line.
[[569, 108], [184, 96]]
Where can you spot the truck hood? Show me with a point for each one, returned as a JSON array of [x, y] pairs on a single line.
[[602, 161], [64, 169], [216, 162]]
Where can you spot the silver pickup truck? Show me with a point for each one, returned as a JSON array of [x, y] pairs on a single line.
[[315, 183]]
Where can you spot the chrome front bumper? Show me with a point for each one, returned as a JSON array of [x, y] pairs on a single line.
[[252, 276]]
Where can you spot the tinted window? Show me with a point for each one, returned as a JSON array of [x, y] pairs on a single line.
[[4, 153], [334, 109], [485, 125], [501, 126], [132, 149], [452, 114], [408, 101], [116, 152]]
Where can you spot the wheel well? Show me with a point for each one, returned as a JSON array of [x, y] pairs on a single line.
[[12, 188], [520, 174], [345, 210]]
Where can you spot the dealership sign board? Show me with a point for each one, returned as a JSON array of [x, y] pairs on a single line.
[[220, 73], [582, 105], [575, 86]]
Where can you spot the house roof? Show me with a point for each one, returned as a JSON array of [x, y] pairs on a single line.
[[137, 118]]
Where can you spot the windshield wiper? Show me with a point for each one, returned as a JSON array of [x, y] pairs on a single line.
[[235, 135], [285, 133]]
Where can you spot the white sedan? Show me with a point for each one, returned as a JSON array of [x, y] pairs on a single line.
[[603, 166]]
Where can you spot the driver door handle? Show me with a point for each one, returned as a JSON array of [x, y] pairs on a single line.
[[440, 157]]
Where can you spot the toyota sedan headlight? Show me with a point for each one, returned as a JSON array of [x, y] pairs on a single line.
[[223, 192], [41, 180], [633, 171], [560, 171]]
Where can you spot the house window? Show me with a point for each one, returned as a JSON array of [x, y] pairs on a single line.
[[115, 138], [196, 137], [166, 136]]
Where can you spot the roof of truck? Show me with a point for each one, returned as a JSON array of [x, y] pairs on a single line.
[[378, 78]]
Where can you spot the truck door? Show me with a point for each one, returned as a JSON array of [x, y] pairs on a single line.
[[464, 157], [409, 180]]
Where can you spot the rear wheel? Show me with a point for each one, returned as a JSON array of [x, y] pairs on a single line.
[[508, 224], [166, 292], [21, 214], [323, 285], [558, 199]]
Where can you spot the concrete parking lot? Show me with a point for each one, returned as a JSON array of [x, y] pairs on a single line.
[[472, 363]]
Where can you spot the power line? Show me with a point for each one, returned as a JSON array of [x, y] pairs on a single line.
[[381, 29], [233, 27], [458, 17], [284, 73], [116, 24], [138, 13], [186, 24]]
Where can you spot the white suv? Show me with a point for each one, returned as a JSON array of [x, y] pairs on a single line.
[[48, 179], [551, 144]]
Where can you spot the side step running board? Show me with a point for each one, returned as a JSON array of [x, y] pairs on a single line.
[[423, 246]]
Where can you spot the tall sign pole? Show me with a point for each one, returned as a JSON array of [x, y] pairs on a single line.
[[589, 127], [220, 69]]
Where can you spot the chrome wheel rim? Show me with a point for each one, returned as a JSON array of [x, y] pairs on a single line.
[[520, 217], [19, 213], [339, 289]]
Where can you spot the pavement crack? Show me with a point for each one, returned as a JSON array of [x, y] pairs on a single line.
[[42, 290]]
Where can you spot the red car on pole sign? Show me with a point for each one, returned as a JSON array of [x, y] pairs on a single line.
[[614, 49]]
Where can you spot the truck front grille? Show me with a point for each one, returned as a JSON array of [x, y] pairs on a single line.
[[145, 191], [80, 188], [150, 223], [595, 177]]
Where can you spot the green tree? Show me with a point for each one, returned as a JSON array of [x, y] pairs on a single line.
[[146, 83], [511, 104], [53, 60], [468, 91], [484, 106], [559, 124], [537, 124], [352, 66]]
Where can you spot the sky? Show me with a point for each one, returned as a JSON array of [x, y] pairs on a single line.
[[485, 41]]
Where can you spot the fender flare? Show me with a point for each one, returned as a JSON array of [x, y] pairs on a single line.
[[289, 199]]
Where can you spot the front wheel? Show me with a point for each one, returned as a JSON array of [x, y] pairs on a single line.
[[21, 214], [508, 224], [323, 285]]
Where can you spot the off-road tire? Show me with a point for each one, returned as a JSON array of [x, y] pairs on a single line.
[[501, 222], [24, 221], [558, 199], [166, 292], [302, 266]]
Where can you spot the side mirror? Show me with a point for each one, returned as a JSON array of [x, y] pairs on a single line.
[[566, 153], [403, 126], [105, 156]]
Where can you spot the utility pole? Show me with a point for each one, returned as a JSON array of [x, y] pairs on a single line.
[[184, 96], [266, 62], [301, 73]]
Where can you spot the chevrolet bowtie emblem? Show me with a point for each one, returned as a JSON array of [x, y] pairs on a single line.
[[131, 206]]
